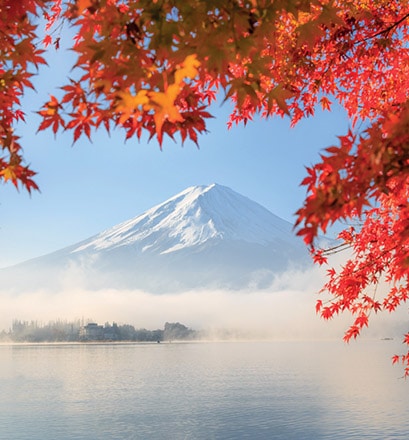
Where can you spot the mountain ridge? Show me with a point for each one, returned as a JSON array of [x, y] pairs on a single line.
[[206, 236]]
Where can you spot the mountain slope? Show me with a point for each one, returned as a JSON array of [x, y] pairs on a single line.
[[190, 219], [203, 237]]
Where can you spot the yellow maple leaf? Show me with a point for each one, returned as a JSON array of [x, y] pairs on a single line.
[[188, 69], [128, 103], [164, 102], [9, 173]]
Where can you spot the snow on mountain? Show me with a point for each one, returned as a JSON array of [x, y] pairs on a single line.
[[191, 218], [205, 236]]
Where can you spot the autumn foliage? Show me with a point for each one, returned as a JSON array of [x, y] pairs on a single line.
[[155, 66]]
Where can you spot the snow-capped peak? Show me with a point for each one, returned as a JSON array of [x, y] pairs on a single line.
[[191, 218], [203, 237]]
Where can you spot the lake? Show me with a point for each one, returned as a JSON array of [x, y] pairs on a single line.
[[203, 390]]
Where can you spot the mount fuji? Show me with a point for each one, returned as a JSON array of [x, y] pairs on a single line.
[[204, 237]]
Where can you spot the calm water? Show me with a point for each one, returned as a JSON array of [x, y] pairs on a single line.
[[242, 390]]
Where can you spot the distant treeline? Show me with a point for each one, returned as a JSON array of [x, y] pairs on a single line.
[[77, 331]]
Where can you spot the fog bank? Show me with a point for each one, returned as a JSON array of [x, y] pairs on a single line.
[[285, 310]]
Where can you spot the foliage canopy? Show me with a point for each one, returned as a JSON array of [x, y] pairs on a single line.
[[155, 66]]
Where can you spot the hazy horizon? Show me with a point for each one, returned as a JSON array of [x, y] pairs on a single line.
[[285, 310]]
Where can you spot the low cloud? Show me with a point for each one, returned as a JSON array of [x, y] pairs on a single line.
[[285, 310]]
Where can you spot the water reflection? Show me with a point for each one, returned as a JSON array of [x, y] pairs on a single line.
[[254, 390]]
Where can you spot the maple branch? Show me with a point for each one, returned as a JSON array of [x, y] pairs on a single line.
[[384, 31], [336, 249], [364, 265]]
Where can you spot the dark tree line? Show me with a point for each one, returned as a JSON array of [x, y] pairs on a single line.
[[77, 331]]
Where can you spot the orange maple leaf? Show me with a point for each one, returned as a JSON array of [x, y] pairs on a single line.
[[165, 109], [83, 5]]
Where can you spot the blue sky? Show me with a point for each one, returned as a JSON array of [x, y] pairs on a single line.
[[87, 187]]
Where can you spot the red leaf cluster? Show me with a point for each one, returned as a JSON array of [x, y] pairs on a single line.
[[19, 54]]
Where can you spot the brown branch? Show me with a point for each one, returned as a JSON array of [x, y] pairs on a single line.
[[384, 31]]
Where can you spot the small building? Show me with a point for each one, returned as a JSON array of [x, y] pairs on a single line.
[[91, 332]]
